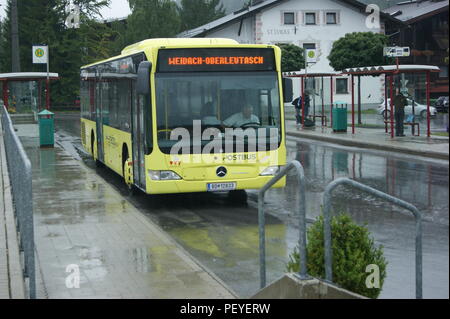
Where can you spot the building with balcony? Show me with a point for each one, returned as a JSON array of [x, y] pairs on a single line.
[[426, 33]]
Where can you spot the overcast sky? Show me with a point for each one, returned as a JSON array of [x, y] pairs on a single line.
[[117, 9]]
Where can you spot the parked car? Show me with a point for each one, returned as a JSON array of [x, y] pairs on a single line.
[[441, 104], [419, 109]]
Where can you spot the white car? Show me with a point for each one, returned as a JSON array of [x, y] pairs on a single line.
[[419, 109]]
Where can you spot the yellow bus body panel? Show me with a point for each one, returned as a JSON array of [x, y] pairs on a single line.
[[88, 131], [113, 143]]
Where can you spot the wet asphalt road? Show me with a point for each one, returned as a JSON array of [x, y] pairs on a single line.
[[224, 236]]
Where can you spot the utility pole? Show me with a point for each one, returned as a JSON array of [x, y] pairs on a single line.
[[15, 50]]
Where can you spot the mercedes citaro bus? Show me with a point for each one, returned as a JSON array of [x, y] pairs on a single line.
[[187, 115]]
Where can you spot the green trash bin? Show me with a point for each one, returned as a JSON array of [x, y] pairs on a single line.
[[339, 117], [46, 121]]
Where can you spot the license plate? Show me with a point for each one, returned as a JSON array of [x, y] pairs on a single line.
[[219, 187]]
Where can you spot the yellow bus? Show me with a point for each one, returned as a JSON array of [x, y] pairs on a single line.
[[135, 106]]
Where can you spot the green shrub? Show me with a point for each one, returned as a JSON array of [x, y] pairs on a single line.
[[353, 250]]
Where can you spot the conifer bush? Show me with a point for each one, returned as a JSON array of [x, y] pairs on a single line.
[[353, 250]]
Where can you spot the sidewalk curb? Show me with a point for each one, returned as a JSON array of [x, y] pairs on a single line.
[[371, 145]]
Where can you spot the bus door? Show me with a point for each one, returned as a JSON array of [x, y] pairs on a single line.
[[139, 137], [99, 119]]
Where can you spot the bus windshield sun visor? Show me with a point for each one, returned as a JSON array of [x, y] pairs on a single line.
[[143, 82]]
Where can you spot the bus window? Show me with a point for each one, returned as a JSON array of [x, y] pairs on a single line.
[[180, 99]]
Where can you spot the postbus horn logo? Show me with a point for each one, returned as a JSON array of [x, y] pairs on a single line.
[[39, 53]]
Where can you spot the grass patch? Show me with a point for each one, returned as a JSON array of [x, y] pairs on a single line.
[[440, 134], [367, 125], [371, 111]]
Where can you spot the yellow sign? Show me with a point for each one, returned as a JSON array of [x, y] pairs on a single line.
[[40, 54]]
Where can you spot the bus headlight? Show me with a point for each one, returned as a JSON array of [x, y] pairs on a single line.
[[163, 175], [271, 171]]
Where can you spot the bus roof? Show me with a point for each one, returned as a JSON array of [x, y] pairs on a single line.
[[155, 43], [168, 42]]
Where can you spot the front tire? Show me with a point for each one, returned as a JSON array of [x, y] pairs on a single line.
[[388, 116]]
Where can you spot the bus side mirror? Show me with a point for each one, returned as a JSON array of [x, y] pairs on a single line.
[[143, 78], [288, 94]]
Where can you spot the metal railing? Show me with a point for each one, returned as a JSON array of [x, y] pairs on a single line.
[[327, 225], [19, 167], [294, 165]]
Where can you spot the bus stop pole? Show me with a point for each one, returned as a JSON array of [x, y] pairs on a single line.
[[47, 103], [428, 104], [353, 105]]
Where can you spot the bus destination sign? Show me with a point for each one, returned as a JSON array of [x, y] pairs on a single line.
[[216, 59]]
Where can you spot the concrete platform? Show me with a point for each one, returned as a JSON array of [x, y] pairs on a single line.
[[290, 286], [84, 226]]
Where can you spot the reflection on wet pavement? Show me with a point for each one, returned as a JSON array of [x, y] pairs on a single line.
[[82, 224]]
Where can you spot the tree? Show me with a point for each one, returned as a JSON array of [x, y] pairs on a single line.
[[194, 13], [152, 19], [292, 57], [14, 37], [358, 49]]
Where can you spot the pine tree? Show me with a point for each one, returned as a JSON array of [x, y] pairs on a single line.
[[152, 19], [195, 13]]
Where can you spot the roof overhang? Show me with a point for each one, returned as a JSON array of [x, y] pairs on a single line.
[[384, 69], [304, 74], [28, 76]]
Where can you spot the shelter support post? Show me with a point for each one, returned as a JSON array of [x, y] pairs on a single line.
[[331, 101], [323, 105], [385, 104], [428, 104], [303, 102], [353, 104], [391, 94], [5, 94]]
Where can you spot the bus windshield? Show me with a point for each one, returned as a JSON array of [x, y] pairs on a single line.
[[218, 99]]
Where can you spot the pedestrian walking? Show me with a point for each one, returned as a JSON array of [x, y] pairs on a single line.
[[400, 102], [297, 103]]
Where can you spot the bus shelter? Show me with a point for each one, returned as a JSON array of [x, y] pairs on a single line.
[[304, 76], [22, 92], [390, 72]]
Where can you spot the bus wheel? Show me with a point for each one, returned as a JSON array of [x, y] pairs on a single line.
[[127, 170], [97, 162], [238, 197]]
